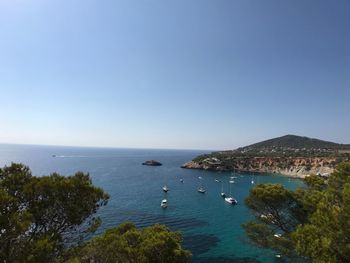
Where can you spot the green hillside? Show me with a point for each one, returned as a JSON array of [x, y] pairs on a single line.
[[289, 154], [295, 142], [285, 146]]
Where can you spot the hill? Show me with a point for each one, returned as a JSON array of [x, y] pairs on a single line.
[[290, 155], [295, 142]]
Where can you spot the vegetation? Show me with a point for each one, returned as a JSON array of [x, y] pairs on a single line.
[[296, 142], [311, 222], [285, 146], [46, 219], [126, 244]]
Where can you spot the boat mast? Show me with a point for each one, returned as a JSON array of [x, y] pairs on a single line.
[[230, 188]]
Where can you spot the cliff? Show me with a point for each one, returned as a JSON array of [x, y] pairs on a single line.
[[295, 167], [289, 155]]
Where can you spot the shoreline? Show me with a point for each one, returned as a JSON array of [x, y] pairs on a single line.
[[298, 172]]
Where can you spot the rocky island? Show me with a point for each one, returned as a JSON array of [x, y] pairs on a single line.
[[152, 163], [289, 155]]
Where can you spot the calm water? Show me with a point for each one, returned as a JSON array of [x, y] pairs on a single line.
[[211, 227]]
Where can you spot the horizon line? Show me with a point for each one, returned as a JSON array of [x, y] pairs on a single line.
[[105, 147]]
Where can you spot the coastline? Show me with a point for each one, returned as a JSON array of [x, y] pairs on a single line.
[[300, 171]]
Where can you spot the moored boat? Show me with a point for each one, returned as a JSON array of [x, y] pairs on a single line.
[[200, 189], [164, 203], [222, 190], [231, 200]]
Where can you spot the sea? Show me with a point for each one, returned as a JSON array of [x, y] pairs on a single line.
[[211, 227]]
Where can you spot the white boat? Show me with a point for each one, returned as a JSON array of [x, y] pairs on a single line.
[[253, 179], [181, 180], [231, 200], [222, 190], [164, 203], [165, 188], [201, 190], [216, 180], [232, 181]]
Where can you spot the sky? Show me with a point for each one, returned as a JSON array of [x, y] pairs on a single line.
[[184, 74]]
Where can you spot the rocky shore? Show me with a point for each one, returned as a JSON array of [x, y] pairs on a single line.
[[290, 155], [289, 166]]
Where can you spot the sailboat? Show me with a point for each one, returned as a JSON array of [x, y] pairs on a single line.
[[230, 199], [200, 188], [165, 187], [164, 203], [233, 175], [222, 190], [252, 181]]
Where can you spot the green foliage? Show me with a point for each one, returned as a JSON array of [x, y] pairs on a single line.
[[277, 211], [313, 222], [315, 182], [326, 238], [126, 244], [297, 142], [276, 206], [37, 213], [40, 216]]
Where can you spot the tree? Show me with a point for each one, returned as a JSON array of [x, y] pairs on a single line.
[[127, 244], [38, 214], [326, 237], [311, 222], [48, 218]]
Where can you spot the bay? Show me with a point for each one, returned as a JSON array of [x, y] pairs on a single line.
[[211, 227]]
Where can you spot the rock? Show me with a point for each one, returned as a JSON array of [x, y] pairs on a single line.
[[152, 163], [289, 166]]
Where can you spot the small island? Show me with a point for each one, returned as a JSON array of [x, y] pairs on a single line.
[[152, 163]]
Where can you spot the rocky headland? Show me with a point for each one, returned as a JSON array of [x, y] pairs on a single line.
[[289, 155], [294, 167]]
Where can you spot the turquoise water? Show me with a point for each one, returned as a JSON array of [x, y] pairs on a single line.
[[211, 227]]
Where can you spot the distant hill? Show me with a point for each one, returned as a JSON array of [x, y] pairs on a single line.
[[290, 155], [294, 142]]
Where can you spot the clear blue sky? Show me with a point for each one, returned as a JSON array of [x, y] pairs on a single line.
[[193, 74]]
